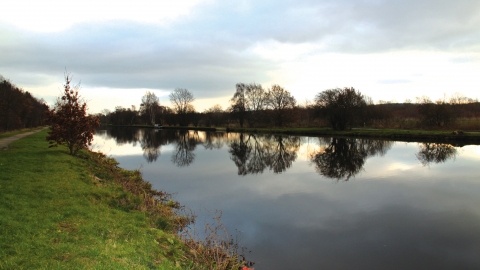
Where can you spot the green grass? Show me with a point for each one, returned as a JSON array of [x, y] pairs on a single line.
[[54, 214], [15, 132]]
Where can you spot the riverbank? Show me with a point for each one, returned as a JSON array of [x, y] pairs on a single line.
[[64, 212], [450, 136]]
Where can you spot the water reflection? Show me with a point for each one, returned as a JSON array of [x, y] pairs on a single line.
[[214, 140], [342, 158], [124, 135], [150, 143], [435, 152], [337, 158], [185, 145], [252, 154]]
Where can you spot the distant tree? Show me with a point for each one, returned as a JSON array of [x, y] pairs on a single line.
[[70, 124], [256, 100], [248, 103], [105, 116], [18, 108], [213, 116], [343, 107], [9, 99], [123, 116], [150, 106], [182, 104], [162, 112], [435, 114], [168, 116], [239, 103], [282, 103]]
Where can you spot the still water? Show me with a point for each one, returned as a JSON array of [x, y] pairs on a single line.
[[319, 203]]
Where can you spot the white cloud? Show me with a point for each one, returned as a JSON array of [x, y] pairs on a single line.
[[56, 15], [409, 73]]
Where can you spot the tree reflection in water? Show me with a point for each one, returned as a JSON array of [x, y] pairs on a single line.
[[187, 142], [151, 141], [150, 145], [339, 158], [124, 135], [343, 158], [435, 152], [284, 153], [240, 154], [213, 140], [252, 154]]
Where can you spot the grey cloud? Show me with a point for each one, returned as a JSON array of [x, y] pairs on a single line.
[[137, 56], [356, 26], [208, 52]]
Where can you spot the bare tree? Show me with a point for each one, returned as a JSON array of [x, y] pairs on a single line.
[[256, 99], [182, 103], [239, 103], [281, 102], [150, 105], [248, 102]]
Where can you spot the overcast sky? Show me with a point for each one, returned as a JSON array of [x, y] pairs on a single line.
[[118, 50]]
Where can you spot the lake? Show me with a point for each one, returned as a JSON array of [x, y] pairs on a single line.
[[319, 203]]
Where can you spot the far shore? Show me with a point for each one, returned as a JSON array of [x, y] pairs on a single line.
[[407, 135]]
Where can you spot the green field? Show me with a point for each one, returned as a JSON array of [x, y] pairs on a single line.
[[64, 212]]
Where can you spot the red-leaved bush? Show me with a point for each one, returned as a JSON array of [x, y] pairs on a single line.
[[70, 124]]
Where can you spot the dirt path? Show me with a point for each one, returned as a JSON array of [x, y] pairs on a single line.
[[6, 141]]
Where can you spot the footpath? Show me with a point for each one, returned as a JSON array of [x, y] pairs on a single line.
[[7, 141]]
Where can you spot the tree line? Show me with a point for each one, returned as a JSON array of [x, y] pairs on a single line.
[[340, 108], [18, 108], [253, 106]]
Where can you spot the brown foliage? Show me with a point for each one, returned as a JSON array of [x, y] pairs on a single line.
[[70, 124], [18, 108]]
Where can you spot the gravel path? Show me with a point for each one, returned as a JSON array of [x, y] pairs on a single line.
[[6, 141]]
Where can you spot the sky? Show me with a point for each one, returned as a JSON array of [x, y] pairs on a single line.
[[389, 50]]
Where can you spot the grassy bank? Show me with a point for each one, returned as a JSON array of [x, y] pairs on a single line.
[[64, 212]]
